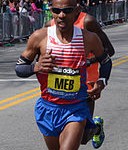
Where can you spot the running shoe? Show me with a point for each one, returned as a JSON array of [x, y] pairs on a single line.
[[98, 138]]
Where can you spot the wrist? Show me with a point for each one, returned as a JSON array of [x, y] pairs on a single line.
[[103, 80], [36, 67]]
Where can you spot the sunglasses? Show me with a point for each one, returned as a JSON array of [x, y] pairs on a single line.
[[66, 10]]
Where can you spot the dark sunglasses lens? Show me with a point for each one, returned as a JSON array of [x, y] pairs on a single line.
[[68, 10], [56, 10], [64, 10]]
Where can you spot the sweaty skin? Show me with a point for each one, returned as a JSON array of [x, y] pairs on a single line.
[[71, 135], [86, 21]]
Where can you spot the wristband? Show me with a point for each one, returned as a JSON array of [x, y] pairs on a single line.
[[104, 81], [24, 71], [24, 67]]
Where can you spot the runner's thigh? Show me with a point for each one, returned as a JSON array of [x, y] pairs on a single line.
[[52, 142], [71, 136]]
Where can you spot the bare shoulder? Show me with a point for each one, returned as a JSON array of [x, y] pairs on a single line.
[[92, 42], [34, 43], [91, 24], [89, 18], [89, 36], [38, 35]]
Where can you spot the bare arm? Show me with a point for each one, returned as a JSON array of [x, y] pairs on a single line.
[[36, 46], [94, 45], [33, 46], [92, 25]]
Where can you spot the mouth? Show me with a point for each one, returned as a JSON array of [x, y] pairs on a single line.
[[61, 24]]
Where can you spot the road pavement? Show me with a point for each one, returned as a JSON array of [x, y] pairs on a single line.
[[18, 130]]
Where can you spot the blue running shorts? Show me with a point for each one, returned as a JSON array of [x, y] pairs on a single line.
[[51, 118]]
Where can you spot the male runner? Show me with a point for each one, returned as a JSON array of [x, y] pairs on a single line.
[[84, 20], [62, 111]]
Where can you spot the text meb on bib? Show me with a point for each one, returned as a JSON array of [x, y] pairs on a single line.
[[64, 82]]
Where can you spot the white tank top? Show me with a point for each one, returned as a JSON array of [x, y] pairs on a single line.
[[67, 82]]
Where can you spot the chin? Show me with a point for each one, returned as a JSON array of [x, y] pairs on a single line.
[[62, 28]]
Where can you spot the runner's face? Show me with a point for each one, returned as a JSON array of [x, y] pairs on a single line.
[[64, 12]]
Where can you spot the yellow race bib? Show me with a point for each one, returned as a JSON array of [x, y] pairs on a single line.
[[66, 83]]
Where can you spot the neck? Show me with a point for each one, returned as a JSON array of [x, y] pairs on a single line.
[[63, 36]]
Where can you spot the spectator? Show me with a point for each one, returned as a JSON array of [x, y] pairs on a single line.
[[7, 17], [46, 11], [39, 3], [4, 4], [14, 5], [34, 7], [27, 5], [37, 14]]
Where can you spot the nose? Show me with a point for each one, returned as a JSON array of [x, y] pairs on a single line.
[[62, 14]]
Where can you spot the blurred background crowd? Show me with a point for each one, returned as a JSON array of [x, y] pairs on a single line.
[[22, 5], [19, 18], [40, 5], [97, 2]]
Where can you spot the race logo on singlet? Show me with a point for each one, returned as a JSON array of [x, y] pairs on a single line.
[[64, 82]]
